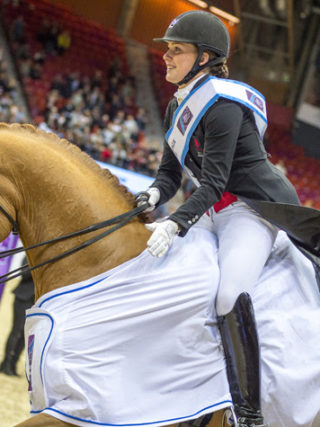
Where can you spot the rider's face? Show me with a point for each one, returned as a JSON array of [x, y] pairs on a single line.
[[179, 59]]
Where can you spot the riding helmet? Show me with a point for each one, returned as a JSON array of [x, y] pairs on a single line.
[[201, 28]]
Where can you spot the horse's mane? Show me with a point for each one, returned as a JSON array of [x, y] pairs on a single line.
[[62, 143]]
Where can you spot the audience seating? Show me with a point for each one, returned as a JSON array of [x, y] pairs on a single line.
[[92, 47], [163, 89], [302, 171]]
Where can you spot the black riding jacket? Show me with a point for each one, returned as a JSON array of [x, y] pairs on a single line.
[[227, 154]]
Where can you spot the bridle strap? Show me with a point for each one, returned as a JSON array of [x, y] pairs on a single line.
[[120, 219], [15, 227]]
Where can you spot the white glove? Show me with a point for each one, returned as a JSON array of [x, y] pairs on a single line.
[[151, 195], [162, 236]]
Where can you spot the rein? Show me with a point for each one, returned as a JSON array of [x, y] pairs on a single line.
[[15, 227], [119, 220]]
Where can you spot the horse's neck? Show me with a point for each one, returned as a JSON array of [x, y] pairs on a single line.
[[58, 198], [109, 252], [74, 212]]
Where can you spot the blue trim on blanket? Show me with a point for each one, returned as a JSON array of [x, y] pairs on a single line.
[[45, 344], [70, 291], [135, 424]]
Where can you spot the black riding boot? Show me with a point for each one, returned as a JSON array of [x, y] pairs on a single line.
[[241, 347], [8, 366], [15, 342], [14, 347]]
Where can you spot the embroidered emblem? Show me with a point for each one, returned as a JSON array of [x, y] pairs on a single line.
[[173, 23], [30, 354], [184, 120], [255, 100]]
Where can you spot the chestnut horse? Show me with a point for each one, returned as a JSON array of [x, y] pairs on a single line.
[[51, 188]]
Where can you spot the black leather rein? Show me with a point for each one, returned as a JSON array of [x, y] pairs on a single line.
[[119, 220], [15, 227]]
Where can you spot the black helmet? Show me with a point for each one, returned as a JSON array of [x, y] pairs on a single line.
[[204, 30], [200, 28]]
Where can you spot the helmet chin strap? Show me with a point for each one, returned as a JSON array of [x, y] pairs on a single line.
[[196, 67]]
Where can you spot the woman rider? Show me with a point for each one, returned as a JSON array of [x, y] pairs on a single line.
[[214, 130]]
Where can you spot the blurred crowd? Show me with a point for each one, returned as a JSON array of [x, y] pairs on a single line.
[[10, 111], [97, 112], [102, 122]]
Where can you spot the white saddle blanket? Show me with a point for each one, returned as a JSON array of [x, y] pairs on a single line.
[[139, 345]]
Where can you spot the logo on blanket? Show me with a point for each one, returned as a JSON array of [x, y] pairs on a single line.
[[184, 120], [255, 100], [30, 355]]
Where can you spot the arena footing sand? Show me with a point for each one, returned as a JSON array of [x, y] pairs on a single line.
[[14, 399]]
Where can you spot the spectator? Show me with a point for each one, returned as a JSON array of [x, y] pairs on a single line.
[[73, 82], [51, 38], [39, 57], [141, 118], [131, 126], [22, 51], [96, 81], [15, 115], [106, 155], [58, 84], [108, 134], [24, 299], [35, 71], [12, 87], [77, 98], [17, 30], [43, 32], [94, 98], [63, 42], [25, 67]]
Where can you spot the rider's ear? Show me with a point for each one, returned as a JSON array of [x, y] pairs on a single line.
[[204, 58]]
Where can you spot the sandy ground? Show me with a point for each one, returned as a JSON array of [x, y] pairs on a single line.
[[14, 399]]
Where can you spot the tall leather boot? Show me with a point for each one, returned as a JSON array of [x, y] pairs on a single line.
[[8, 366], [241, 347], [14, 347]]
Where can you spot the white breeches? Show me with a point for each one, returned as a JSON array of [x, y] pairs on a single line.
[[245, 241]]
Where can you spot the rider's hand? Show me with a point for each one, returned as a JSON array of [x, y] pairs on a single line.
[[162, 236], [151, 195]]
